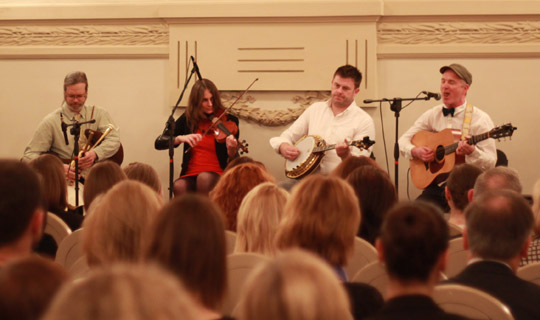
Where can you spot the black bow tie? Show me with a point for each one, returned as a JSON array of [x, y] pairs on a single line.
[[448, 111]]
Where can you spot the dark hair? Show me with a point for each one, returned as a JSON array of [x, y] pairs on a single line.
[[21, 195], [460, 181], [498, 224], [376, 195], [53, 179], [188, 238], [194, 112], [348, 71], [74, 78], [413, 235], [28, 286]]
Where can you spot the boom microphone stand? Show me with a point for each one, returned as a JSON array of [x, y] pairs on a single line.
[[167, 137], [396, 106]]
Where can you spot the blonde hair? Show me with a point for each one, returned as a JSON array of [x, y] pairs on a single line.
[[258, 219], [102, 176], [294, 286], [124, 292], [234, 185], [322, 216], [115, 226], [144, 173]]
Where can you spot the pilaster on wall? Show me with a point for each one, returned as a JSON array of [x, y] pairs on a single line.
[[289, 55]]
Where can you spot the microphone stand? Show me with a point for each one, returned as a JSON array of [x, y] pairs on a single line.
[[169, 132], [76, 132], [396, 106]]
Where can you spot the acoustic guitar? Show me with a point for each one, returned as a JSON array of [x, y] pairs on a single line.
[[424, 173], [312, 150]]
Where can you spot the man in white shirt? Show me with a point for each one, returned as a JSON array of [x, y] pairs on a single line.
[[338, 121], [49, 136], [455, 83]]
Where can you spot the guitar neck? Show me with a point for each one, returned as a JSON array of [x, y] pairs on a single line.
[[472, 141]]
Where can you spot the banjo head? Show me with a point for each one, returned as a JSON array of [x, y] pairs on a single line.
[[307, 161]]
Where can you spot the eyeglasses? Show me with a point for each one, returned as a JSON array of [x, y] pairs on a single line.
[[76, 96]]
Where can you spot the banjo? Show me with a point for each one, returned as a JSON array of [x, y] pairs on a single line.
[[312, 150]]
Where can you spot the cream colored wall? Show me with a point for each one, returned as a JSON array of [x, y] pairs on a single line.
[[133, 80]]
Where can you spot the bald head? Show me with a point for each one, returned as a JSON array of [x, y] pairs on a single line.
[[498, 224], [495, 179]]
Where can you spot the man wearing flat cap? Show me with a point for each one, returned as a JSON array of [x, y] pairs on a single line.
[[463, 118]]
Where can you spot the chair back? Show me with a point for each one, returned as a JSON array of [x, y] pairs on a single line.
[[363, 254], [230, 241], [470, 303], [455, 230], [78, 269], [457, 257], [530, 272], [239, 266], [70, 249], [56, 227], [375, 275]]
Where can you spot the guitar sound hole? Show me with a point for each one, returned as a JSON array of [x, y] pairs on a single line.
[[439, 153]]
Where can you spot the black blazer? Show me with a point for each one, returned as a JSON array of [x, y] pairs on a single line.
[[522, 297], [181, 128], [413, 307]]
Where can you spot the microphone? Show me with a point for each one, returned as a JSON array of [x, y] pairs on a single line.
[[64, 129], [434, 95], [196, 68]]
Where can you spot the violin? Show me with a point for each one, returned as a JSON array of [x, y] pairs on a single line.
[[221, 129]]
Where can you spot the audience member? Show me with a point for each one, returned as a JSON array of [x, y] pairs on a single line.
[[242, 159], [296, 285], [376, 195], [21, 210], [28, 286], [323, 217], [124, 292], [533, 254], [259, 216], [350, 163], [116, 224], [103, 176], [144, 173], [413, 246], [188, 238], [233, 186], [458, 186], [53, 179], [498, 226], [496, 178]]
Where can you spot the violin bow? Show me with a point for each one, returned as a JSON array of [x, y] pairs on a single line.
[[226, 110], [230, 107]]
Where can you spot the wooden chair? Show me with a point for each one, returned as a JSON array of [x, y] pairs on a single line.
[[230, 241], [457, 257], [530, 272], [56, 227], [239, 266], [375, 275], [363, 254], [470, 303], [70, 249]]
